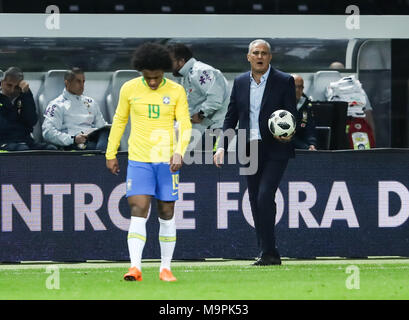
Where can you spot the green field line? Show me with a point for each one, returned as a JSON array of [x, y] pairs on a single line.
[[213, 279], [207, 262]]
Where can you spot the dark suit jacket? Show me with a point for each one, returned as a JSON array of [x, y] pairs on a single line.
[[15, 125], [279, 93]]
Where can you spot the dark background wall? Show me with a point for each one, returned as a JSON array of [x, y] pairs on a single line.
[[330, 203], [378, 7], [400, 98]]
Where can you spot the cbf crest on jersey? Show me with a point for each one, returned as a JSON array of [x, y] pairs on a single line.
[[166, 100]]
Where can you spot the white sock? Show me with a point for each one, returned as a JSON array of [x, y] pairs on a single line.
[[167, 241], [136, 240]]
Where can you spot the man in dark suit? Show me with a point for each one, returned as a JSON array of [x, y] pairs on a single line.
[[255, 96]]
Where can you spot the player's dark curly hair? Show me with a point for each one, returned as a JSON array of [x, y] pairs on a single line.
[[180, 51], [151, 56]]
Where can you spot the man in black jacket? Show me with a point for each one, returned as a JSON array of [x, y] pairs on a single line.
[[17, 113], [305, 137], [255, 96]]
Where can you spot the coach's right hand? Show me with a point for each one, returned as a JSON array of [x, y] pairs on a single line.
[[218, 157], [113, 166]]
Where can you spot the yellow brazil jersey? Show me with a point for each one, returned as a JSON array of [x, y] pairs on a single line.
[[152, 114]]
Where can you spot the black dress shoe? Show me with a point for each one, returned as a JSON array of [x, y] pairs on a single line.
[[267, 261]]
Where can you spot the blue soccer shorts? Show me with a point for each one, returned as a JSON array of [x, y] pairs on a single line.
[[155, 179]]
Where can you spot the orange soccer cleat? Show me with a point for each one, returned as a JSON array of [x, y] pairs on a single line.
[[166, 275], [134, 274]]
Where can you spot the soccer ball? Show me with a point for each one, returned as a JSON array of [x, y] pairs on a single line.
[[281, 123]]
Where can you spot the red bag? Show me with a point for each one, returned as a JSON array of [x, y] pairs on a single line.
[[360, 134]]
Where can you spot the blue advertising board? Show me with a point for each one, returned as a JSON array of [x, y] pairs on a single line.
[[69, 207]]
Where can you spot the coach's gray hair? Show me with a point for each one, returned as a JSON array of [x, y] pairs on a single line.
[[14, 73], [70, 74], [257, 41]]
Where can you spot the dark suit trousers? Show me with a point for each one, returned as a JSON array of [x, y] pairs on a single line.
[[262, 187]]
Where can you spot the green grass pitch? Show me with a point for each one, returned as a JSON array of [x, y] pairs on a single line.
[[211, 280]]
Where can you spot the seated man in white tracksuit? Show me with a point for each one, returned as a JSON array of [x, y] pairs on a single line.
[[207, 93], [71, 117]]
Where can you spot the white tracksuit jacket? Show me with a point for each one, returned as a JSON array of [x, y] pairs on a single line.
[[69, 115], [207, 90]]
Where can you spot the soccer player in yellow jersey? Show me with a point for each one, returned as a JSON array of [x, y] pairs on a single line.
[[154, 156]]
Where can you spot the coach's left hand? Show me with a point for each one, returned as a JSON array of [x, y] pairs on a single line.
[[176, 162], [285, 139]]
